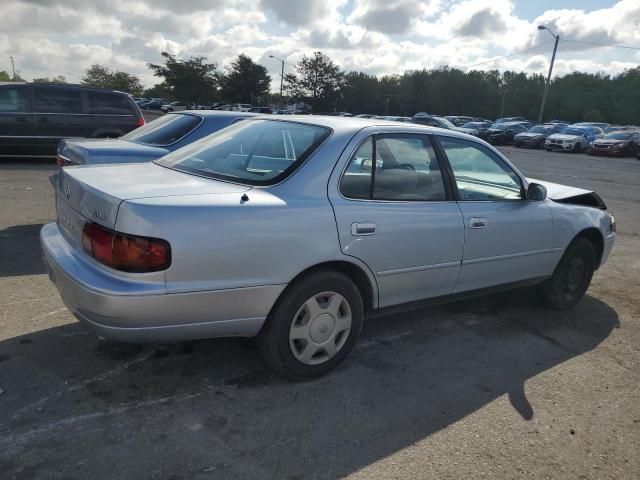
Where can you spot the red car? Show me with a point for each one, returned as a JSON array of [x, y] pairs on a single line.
[[620, 144]]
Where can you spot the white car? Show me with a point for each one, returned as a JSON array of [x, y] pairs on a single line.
[[572, 139], [173, 107], [240, 107]]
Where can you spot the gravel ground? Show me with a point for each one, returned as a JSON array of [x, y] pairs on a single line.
[[496, 387]]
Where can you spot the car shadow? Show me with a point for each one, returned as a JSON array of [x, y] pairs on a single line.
[[20, 251], [84, 408]]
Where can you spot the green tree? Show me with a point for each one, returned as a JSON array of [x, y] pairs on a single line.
[[193, 80], [5, 77], [245, 81], [58, 79], [101, 76], [318, 81]]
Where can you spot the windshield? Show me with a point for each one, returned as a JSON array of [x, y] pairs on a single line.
[[499, 126], [472, 125], [619, 135], [165, 130], [539, 129], [445, 122], [572, 131], [259, 152]]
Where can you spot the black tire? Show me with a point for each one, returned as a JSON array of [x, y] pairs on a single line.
[[572, 276], [273, 340], [577, 148]]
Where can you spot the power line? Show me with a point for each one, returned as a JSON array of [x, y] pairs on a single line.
[[509, 56], [599, 44]]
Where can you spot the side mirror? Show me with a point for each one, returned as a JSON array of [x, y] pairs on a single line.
[[536, 192]]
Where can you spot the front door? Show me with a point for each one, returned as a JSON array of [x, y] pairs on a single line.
[[507, 237], [395, 214]]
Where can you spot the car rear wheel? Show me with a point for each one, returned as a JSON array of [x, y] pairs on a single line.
[[313, 327], [572, 276]]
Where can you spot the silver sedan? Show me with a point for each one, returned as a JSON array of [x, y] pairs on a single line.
[[294, 230]]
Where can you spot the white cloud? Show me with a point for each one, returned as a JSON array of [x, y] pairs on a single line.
[[66, 36]]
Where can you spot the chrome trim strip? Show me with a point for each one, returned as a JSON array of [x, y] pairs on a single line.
[[420, 268], [504, 257]]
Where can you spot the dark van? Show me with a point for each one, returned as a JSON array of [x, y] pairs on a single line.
[[34, 117]]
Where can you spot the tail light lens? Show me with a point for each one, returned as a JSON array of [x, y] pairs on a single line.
[[140, 122], [128, 253], [60, 161]]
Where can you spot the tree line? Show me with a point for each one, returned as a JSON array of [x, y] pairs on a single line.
[[318, 81]]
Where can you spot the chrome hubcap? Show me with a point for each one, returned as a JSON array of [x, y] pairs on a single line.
[[320, 328]]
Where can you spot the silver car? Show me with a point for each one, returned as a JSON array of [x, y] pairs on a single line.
[[293, 230]]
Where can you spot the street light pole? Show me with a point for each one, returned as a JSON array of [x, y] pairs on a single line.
[[546, 85], [281, 78], [13, 68]]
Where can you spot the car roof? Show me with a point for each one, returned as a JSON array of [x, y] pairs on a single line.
[[216, 113]]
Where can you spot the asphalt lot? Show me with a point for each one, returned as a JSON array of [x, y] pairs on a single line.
[[497, 387]]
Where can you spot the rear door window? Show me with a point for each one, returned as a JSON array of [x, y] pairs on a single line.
[[57, 100], [401, 167], [165, 130], [103, 103], [13, 99]]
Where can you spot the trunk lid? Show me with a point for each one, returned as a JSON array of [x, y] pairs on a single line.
[[101, 151], [95, 193]]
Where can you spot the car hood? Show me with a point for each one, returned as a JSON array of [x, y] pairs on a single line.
[[97, 191], [610, 141], [108, 150], [561, 136], [571, 195]]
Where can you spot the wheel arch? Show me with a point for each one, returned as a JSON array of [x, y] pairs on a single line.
[[593, 235], [358, 274]]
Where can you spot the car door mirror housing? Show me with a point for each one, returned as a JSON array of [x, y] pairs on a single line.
[[536, 192]]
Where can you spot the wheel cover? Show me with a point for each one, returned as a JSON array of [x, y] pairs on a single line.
[[320, 328], [576, 271]]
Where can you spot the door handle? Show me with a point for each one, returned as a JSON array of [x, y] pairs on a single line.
[[477, 222], [366, 228]]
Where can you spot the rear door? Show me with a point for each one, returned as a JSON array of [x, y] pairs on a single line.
[[395, 212], [112, 114], [507, 237], [59, 113], [16, 120]]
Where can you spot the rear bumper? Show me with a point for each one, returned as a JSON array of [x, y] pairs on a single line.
[[138, 311]]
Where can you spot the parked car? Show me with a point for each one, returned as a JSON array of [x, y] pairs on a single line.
[[572, 138], [176, 107], [153, 104], [157, 138], [502, 133], [510, 119], [433, 121], [619, 128], [34, 117], [294, 230], [267, 110], [620, 143], [535, 136], [601, 125], [459, 120], [240, 107], [474, 128]]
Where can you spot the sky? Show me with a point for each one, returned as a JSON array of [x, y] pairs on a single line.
[[64, 37]]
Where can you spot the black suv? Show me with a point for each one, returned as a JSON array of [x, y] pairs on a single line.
[[34, 117]]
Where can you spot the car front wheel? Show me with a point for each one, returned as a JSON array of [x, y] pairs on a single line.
[[313, 327], [572, 276]]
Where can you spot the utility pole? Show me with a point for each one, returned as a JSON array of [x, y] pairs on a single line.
[[504, 94], [546, 85], [13, 68], [281, 79]]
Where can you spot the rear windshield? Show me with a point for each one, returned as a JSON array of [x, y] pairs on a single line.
[[254, 152], [165, 130], [109, 104]]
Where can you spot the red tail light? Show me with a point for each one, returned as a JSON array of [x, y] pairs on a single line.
[[60, 161], [140, 121], [128, 253]]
